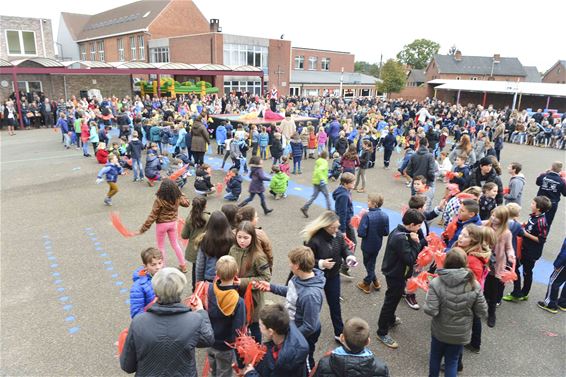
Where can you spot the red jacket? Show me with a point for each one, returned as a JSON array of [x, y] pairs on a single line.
[[102, 156]]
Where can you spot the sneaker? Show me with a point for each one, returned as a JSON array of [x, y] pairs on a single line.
[[491, 321], [498, 303], [305, 212], [364, 287], [345, 272], [396, 323], [337, 339], [563, 308], [284, 196], [267, 211], [107, 201], [524, 298], [511, 298], [471, 348], [341, 299], [388, 341], [376, 285], [411, 300], [543, 306]]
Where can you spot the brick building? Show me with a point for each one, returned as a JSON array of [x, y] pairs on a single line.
[[24, 37], [556, 74]]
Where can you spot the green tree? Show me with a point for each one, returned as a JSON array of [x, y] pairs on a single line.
[[418, 53], [394, 77], [371, 69]]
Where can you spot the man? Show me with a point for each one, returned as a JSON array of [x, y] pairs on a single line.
[[288, 128], [552, 186], [485, 173], [422, 163]]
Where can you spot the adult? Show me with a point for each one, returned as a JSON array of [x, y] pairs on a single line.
[[164, 338], [199, 140], [422, 163], [46, 110], [333, 132], [288, 128], [10, 117], [464, 146], [486, 173], [498, 135], [552, 186]]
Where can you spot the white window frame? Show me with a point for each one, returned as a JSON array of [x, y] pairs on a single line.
[[93, 51], [300, 62], [83, 52], [22, 48], [133, 49], [159, 55], [100, 45], [313, 61], [27, 85], [121, 53], [141, 47], [325, 62]]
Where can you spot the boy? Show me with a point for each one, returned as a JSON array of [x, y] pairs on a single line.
[[278, 183], [112, 170], [421, 188], [487, 199], [220, 138], [141, 293], [336, 167], [400, 255], [516, 184], [203, 186], [319, 179], [409, 152], [353, 356], [134, 150], [516, 231], [534, 237], [551, 302], [461, 172], [234, 186], [468, 213], [152, 165], [345, 210], [552, 186], [235, 153], [287, 349], [304, 296], [374, 225], [284, 166], [227, 313]]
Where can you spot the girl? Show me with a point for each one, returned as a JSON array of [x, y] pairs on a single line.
[[305, 141], [249, 213], [152, 165], [93, 138], [214, 243], [203, 185], [194, 226], [102, 154], [165, 213], [256, 185], [253, 266], [9, 116], [463, 147], [367, 150], [312, 140], [85, 135], [112, 170], [327, 243], [263, 142], [504, 255], [322, 138], [296, 152], [350, 160], [284, 166], [276, 148], [230, 211], [453, 299]]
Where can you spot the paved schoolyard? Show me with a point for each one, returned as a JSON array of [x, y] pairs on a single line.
[[66, 272]]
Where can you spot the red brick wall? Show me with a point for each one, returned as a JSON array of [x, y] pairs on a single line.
[[279, 58], [180, 17], [197, 49], [554, 77], [432, 74], [337, 60], [111, 48], [410, 93]]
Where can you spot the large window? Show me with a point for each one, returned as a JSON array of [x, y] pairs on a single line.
[[235, 54], [299, 62], [21, 42], [159, 55], [141, 46], [325, 66], [83, 52], [133, 48], [253, 86], [101, 51], [93, 51], [121, 54], [30, 86], [312, 63]]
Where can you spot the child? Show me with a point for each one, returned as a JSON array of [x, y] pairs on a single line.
[[516, 184], [341, 144], [297, 153], [468, 213], [134, 150], [164, 213], [304, 136], [203, 185], [85, 135], [487, 199], [551, 302], [336, 169], [374, 225], [93, 138], [63, 125], [112, 170], [287, 349], [421, 188], [322, 138], [353, 356], [553, 186], [461, 172], [278, 184], [343, 206], [453, 297], [102, 154], [234, 186], [253, 265], [195, 225], [152, 165], [263, 143], [215, 242], [319, 178], [350, 160], [516, 231], [276, 148], [141, 293], [284, 166], [256, 185], [220, 138], [409, 152], [227, 314], [228, 151], [365, 158], [304, 296], [389, 143], [235, 153], [444, 165], [312, 140], [534, 237]]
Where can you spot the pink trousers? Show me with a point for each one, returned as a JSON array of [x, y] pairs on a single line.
[[170, 229]]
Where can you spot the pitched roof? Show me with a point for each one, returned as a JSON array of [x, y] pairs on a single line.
[[533, 75], [121, 20], [416, 75], [323, 77], [561, 62], [479, 65]]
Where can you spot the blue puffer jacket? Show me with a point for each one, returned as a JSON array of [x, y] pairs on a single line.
[[263, 139], [373, 227], [343, 206], [205, 267], [220, 135], [152, 164], [297, 149], [111, 171], [141, 293]]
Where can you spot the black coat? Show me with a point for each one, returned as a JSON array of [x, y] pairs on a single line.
[[422, 163], [340, 363], [476, 179], [400, 254], [325, 246]]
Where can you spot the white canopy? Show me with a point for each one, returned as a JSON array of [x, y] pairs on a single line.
[[532, 88]]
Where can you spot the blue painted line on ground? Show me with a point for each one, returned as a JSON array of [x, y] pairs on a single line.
[[541, 273]]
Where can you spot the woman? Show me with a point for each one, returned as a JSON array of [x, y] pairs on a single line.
[[199, 141], [503, 255], [463, 147], [327, 243], [168, 325], [10, 117], [164, 213], [214, 243], [453, 299], [195, 225], [498, 135]]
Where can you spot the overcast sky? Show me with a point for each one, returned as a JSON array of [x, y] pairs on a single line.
[[533, 31]]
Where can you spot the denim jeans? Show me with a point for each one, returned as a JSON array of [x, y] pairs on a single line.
[[85, 148], [137, 168], [296, 164], [332, 293], [370, 257], [252, 196], [451, 354], [263, 152], [231, 197], [317, 189]]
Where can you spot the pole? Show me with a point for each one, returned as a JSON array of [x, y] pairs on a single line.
[[514, 101], [262, 89], [547, 102], [41, 20], [65, 86], [520, 98], [159, 86], [341, 80], [484, 99], [458, 98], [18, 99]]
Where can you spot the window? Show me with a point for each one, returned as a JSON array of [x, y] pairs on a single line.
[[236, 54], [299, 62], [253, 86], [21, 42], [474, 78], [121, 54], [312, 63], [93, 52], [30, 86], [325, 64], [295, 91], [101, 51], [141, 46], [132, 48], [83, 52], [159, 55]]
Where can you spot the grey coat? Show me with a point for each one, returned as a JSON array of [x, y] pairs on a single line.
[[452, 301], [200, 137], [162, 341]]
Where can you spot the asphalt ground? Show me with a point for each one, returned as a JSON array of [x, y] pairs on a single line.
[[66, 272]]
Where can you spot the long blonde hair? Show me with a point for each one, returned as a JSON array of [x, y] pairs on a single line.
[[327, 218], [501, 213], [482, 237]]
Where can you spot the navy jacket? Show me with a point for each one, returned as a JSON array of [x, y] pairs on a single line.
[[141, 293], [343, 206], [111, 171], [235, 185], [333, 129], [560, 260], [373, 227], [152, 164], [400, 254], [296, 149], [224, 326], [389, 141], [538, 227], [135, 148], [551, 185], [341, 363], [476, 220]]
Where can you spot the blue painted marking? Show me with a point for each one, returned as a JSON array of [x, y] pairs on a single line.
[[93, 238], [47, 247], [119, 283], [97, 244], [55, 274], [58, 281], [88, 228], [49, 253], [51, 257], [103, 254], [70, 319], [107, 262], [45, 236], [64, 298], [47, 242], [67, 307], [60, 289], [54, 265], [124, 290], [73, 330], [114, 276], [127, 302], [98, 248], [109, 268]]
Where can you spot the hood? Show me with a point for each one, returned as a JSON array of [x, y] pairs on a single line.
[[172, 309], [340, 191], [237, 178], [168, 207], [422, 151], [344, 363], [317, 281], [140, 274], [453, 277], [294, 348], [520, 177]]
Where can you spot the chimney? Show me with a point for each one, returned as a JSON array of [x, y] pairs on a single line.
[[496, 58], [215, 25], [458, 55]]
